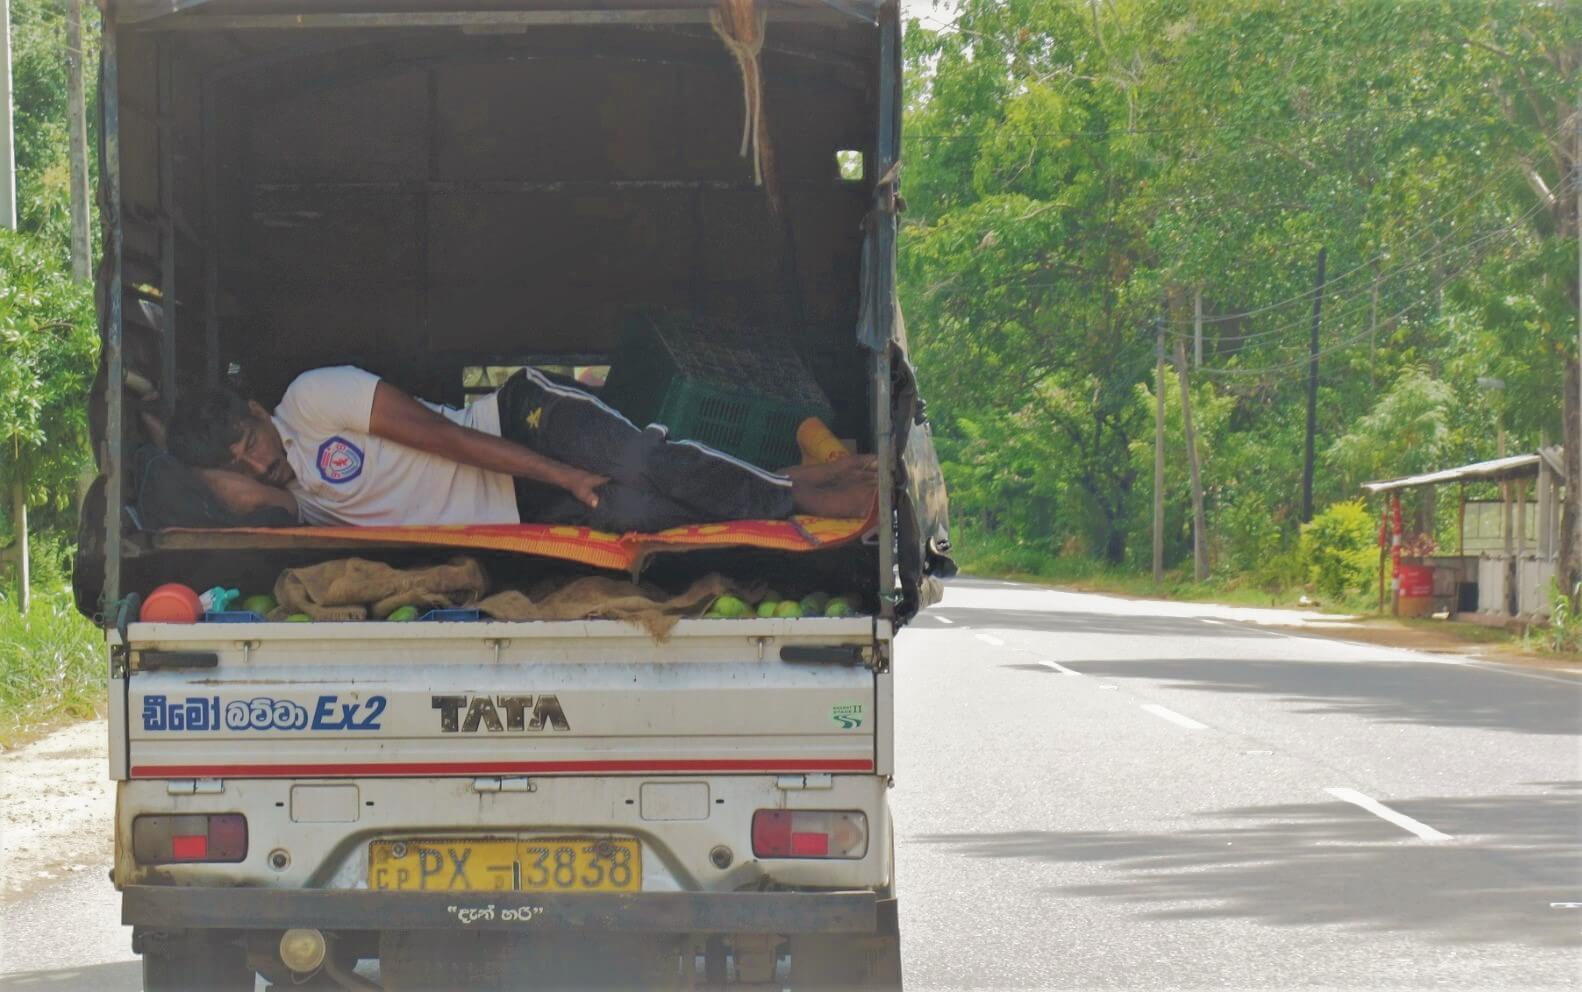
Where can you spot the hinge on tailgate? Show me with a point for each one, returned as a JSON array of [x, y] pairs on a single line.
[[803, 783], [195, 786], [492, 784]]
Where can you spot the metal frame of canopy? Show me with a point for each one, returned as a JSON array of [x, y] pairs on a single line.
[[878, 313], [1519, 585]]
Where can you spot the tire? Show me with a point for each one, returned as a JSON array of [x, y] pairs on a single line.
[[197, 964]]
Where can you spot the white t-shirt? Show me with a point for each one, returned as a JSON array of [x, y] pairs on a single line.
[[347, 476]]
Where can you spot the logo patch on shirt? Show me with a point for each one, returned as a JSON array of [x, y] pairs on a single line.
[[339, 460]]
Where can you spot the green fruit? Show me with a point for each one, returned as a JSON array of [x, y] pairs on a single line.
[[299, 618], [260, 604], [840, 607], [789, 610], [730, 607], [767, 608], [401, 614], [814, 602]]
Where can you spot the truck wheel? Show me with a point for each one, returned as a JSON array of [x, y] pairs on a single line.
[[197, 964]]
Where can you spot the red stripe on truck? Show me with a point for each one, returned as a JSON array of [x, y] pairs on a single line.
[[390, 768]]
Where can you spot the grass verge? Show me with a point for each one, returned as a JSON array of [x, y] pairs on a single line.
[[995, 556], [51, 667], [1003, 558]]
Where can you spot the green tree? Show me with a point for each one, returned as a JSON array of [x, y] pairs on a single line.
[[48, 337], [1076, 170]]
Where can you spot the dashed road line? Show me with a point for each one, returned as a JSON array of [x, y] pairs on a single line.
[[946, 621], [1216, 623], [991, 640], [1387, 814], [1166, 713], [1056, 666]]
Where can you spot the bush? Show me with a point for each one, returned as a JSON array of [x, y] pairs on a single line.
[[1564, 635], [52, 665], [1340, 549]]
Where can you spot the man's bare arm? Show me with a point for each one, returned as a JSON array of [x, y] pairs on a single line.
[[400, 418], [240, 494]]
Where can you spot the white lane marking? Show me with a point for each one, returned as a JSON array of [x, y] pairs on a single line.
[[1212, 621], [1056, 666], [1565, 905], [1166, 713], [1384, 812], [991, 640], [945, 621]]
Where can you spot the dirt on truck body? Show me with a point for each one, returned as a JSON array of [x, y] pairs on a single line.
[[440, 192]]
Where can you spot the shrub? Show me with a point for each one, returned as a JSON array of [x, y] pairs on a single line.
[[1340, 549], [1564, 635]]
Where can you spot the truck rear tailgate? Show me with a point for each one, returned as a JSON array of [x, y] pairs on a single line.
[[276, 700]]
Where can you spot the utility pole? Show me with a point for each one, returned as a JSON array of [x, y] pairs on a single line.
[[1312, 392], [1197, 328], [1159, 450], [7, 141], [1199, 523], [1373, 328], [77, 139], [1576, 189], [8, 221]]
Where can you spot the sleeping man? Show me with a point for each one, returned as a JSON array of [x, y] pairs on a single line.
[[345, 447]]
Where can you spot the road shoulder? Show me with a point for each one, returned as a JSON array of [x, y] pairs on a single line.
[[57, 808]]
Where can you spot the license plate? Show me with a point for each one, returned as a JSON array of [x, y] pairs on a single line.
[[544, 864]]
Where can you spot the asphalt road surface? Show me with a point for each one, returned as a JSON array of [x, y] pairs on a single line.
[[1103, 793]]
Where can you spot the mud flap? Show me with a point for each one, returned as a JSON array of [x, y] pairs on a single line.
[[837, 962]]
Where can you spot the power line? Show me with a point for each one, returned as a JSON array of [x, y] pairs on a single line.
[[991, 132], [1340, 345], [1396, 271], [1346, 306]]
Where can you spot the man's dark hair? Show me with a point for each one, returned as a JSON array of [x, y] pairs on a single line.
[[205, 426]]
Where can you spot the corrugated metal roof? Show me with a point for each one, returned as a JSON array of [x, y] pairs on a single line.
[[1509, 467]]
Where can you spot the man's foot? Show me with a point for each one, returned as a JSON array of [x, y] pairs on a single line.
[[844, 488], [854, 469]]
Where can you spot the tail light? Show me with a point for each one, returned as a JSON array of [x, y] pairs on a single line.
[[164, 840], [810, 833]]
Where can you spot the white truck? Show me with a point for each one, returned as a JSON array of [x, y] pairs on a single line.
[[433, 190]]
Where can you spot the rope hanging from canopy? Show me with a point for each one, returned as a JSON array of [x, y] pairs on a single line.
[[740, 25]]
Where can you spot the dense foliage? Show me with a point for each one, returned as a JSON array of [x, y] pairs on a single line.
[[1077, 171], [47, 337]]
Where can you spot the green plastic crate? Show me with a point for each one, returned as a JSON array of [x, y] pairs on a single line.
[[738, 390]]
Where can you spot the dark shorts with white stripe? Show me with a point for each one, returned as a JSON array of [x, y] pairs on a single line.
[[655, 483]]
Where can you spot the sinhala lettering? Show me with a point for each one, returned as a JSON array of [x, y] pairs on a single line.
[[261, 713], [467, 916]]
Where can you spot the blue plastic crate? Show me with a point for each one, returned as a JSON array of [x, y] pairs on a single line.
[[459, 615]]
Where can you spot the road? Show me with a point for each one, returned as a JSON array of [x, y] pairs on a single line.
[[1096, 792]]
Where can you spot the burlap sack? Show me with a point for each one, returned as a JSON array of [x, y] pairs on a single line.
[[355, 588]]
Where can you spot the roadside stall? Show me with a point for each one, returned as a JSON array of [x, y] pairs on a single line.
[[1506, 551]]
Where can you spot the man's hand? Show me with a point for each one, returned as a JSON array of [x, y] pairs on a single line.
[[242, 495], [400, 418], [583, 485]]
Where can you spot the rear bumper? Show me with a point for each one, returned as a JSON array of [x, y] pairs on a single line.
[[169, 907]]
